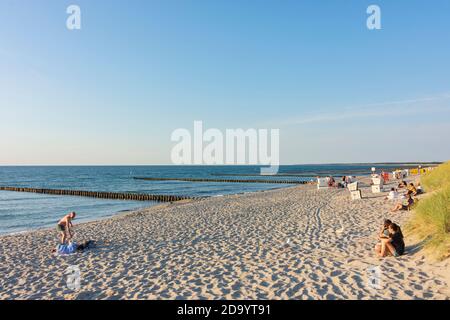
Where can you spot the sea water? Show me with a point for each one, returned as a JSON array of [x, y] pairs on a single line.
[[26, 211]]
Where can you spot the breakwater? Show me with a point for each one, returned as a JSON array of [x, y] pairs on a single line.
[[222, 180], [102, 195]]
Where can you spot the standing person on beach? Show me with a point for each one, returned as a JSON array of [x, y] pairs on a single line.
[[65, 227]]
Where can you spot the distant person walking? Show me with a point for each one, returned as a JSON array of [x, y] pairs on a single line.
[[65, 226]]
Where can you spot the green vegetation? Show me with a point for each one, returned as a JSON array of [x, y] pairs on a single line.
[[431, 219], [437, 178]]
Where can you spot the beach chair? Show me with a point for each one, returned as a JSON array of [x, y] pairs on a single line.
[[353, 186], [377, 182], [322, 183], [355, 195], [376, 188]]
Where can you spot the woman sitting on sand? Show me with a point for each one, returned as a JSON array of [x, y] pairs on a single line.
[[393, 244], [412, 189], [405, 205], [384, 232]]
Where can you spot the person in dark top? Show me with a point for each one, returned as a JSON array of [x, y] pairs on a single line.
[[396, 237], [392, 244]]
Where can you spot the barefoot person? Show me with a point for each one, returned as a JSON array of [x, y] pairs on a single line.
[[383, 234], [65, 227], [392, 245], [405, 205]]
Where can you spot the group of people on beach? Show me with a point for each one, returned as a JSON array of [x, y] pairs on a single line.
[[339, 184], [406, 197], [67, 245], [390, 238]]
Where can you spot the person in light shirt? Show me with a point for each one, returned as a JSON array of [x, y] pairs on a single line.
[[393, 194]]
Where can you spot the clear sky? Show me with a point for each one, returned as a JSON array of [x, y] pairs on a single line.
[[113, 92]]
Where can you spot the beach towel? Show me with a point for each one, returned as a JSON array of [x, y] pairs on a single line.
[[65, 249]]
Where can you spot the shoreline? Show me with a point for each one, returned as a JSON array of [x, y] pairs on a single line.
[[131, 211], [287, 243], [125, 213]]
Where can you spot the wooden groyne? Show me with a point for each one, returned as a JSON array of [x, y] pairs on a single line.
[[222, 180], [102, 195]]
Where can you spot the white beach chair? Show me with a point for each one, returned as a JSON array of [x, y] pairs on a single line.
[[353, 186], [355, 195], [322, 183], [376, 188], [377, 182]]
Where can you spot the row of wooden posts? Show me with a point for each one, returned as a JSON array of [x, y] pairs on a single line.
[[140, 196], [102, 195], [222, 180]]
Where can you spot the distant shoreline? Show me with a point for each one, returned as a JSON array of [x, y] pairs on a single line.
[[413, 163]]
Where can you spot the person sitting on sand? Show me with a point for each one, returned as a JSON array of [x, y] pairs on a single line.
[[393, 194], [402, 184], [419, 188], [65, 226], [393, 244], [72, 247], [412, 189], [405, 205], [384, 232]]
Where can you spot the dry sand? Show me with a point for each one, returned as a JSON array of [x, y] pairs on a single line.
[[293, 243]]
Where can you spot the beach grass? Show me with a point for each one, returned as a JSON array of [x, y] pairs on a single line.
[[437, 178], [431, 218]]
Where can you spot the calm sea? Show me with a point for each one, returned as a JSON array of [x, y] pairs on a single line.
[[25, 211]]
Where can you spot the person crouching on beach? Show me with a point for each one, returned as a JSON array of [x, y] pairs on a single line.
[[65, 226], [392, 244]]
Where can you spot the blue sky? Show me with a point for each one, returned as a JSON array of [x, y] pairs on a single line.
[[112, 92]]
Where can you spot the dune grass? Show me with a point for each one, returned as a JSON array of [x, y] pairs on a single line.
[[431, 218], [437, 178]]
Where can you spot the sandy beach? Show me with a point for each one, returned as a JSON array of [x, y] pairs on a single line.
[[292, 243]]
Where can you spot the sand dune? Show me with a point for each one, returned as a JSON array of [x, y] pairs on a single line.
[[294, 243]]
